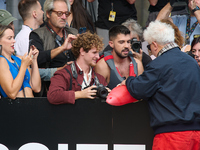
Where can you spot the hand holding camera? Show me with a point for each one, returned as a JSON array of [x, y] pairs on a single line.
[[96, 91], [136, 45]]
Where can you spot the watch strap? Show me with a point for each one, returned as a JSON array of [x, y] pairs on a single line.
[[195, 9]]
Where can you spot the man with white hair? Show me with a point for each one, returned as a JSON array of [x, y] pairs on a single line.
[[171, 85]]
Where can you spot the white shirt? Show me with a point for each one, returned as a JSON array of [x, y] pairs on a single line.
[[87, 81], [22, 41]]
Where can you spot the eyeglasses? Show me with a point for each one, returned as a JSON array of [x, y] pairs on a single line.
[[60, 13], [148, 46]]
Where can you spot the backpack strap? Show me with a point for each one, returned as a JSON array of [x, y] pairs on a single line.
[[70, 86]]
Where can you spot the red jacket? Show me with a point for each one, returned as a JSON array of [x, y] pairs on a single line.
[[59, 88]]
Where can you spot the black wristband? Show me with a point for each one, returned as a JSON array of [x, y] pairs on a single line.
[[197, 8]]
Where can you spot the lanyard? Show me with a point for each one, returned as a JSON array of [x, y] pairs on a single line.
[[58, 38], [189, 30], [111, 2]]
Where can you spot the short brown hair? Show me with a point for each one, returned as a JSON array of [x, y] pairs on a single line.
[[86, 41], [25, 6]]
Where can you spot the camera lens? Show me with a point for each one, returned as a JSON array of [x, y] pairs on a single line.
[[102, 92], [136, 46]]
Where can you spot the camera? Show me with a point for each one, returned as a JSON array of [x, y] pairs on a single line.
[[102, 92], [136, 45]]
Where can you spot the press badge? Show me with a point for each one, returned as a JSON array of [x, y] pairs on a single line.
[[112, 16]]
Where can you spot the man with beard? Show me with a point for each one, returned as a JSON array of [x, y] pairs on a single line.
[[118, 64], [78, 80]]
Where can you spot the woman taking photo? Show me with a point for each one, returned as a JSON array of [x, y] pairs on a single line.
[[79, 17], [16, 78]]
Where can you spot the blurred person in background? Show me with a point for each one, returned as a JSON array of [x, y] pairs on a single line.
[[6, 18], [111, 13], [195, 48], [79, 17], [32, 15]]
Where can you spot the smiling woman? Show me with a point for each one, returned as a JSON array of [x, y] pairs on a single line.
[[16, 78]]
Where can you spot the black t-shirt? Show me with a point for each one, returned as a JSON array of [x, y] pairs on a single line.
[[123, 10]]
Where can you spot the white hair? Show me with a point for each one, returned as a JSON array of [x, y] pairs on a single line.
[[160, 32], [48, 6], [134, 27]]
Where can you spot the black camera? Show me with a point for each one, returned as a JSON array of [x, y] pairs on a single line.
[[102, 92], [136, 45]]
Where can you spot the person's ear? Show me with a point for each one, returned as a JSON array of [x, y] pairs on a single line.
[[34, 13], [111, 44], [155, 46], [82, 52], [48, 14]]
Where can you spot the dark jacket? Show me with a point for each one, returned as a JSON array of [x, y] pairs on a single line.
[[171, 84]]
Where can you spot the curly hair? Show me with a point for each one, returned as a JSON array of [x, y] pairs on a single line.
[[86, 41]]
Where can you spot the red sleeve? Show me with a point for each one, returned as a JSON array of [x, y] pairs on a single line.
[[58, 90]]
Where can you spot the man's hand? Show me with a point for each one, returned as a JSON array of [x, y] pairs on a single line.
[[138, 55], [34, 52], [89, 92], [123, 83], [68, 42], [26, 60]]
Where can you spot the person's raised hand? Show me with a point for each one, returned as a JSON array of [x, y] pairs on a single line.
[[26, 60], [138, 55], [34, 51], [68, 42]]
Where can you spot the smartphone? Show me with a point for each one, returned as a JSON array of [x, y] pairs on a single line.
[[30, 44], [82, 30]]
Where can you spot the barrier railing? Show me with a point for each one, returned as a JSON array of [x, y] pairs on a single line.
[[25, 122]]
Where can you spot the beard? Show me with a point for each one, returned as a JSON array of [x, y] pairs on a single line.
[[120, 54]]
